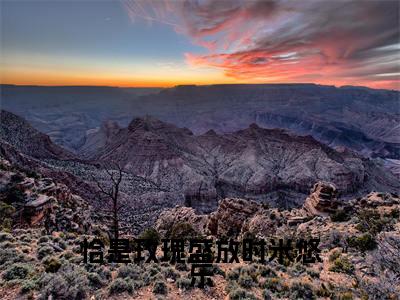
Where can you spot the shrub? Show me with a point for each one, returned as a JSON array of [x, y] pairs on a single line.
[[160, 288], [170, 273], [150, 234], [345, 296], [265, 271], [340, 215], [313, 273], [129, 271], [371, 221], [27, 286], [182, 231], [342, 265], [51, 264], [44, 251], [6, 237], [266, 295], [69, 283], [95, 280], [234, 273], [181, 266], [31, 173], [334, 255], [17, 271], [10, 256], [274, 284], [153, 270], [301, 290], [6, 211], [119, 286], [67, 255], [364, 242], [246, 281], [240, 294], [6, 245], [298, 269], [6, 224], [394, 213], [14, 195], [43, 239], [104, 273], [184, 284], [322, 291], [16, 178], [25, 238]]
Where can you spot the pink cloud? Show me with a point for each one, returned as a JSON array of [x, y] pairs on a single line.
[[336, 42]]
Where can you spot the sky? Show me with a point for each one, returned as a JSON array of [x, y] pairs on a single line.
[[167, 43]]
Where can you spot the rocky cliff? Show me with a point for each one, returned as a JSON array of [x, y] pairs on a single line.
[[269, 165]]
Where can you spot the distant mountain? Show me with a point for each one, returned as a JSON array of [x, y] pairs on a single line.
[[271, 165], [26, 139], [362, 119], [67, 113]]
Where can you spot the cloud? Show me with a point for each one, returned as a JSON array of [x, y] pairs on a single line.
[[336, 42]]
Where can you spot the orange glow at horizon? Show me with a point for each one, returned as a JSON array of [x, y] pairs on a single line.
[[112, 82], [69, 78]]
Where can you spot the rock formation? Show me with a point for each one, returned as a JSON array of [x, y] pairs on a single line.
[[322, 199]]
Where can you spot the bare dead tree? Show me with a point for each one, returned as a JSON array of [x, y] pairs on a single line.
[[111, 192]]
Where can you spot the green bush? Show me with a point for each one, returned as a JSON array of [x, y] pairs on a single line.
[[300, 290], [170, 272], [25, 238], [372, 222], [10, 256], [6, 245], [70, 282], [340, 215], [266, 295], [181, 266], [342, 265], [104, 272], [31, 173], [364, 242], [334, 255], [150, 234], [14, 195], [67, 255], [184, 284], [119, 286], [16, 178], [182, 231], [313, 273], [345, 296], [44, 251], [246, 281], [394, 213], [234, 273], [154, 270], [95, 280], [6, 213], [129, 271], [6, 237], [28, 285], [51, 264], [265, 271], [44, 239], [274, 285], [17, 271], [240, 294], [160, 288]]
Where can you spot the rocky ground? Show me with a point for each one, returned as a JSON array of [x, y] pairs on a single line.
[[359, 242]]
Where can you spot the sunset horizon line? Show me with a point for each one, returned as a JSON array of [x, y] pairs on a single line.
[[197, 84]]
